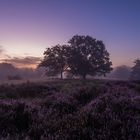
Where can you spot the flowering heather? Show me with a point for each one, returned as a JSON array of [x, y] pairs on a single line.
[[70, 110]]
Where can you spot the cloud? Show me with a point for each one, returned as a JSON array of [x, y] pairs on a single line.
[[29, 61], [3, 53], [2, 50], [25, 60]]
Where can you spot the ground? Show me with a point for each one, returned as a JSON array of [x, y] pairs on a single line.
[[70, 110]]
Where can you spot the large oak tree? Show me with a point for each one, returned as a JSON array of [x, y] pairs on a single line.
[[88, 56]]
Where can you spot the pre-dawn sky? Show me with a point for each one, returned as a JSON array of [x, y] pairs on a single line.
[[27, 27]]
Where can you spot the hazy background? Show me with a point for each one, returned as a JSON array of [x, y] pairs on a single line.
[[27, 27]]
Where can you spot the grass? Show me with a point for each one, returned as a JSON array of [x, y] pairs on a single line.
[[70, 109]]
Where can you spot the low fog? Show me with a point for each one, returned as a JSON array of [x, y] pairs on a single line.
[[122, 72], [10, 72]]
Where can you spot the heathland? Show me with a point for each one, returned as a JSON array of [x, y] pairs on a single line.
[[70, 110]]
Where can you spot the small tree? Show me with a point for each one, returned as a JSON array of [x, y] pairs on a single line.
[[55, 60], [135, 74], [88, 56]]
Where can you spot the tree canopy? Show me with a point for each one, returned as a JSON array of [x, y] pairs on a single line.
[[88, 56], [83, 56], [135, 74], [54, 60]]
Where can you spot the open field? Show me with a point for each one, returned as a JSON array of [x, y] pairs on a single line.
[[70, 110]]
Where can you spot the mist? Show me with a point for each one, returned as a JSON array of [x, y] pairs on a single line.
[[10, 72], [121, 72]]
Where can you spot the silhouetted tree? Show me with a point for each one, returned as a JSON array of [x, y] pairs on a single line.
[[135, 74], [88, 56], [55, 60]]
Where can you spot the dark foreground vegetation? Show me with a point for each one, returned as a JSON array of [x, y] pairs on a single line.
[[70, 110]]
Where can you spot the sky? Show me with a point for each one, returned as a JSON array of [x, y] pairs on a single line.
[[28, 27]]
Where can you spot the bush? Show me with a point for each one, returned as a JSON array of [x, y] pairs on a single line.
[[14, 118], [104, 111]]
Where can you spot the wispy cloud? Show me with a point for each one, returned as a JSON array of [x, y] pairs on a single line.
[[2, 50], [3, 53], [26, 61], [29, 61]]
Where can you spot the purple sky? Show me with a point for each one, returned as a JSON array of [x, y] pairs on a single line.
[[27, 27]]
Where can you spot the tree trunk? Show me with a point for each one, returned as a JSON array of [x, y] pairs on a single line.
[[61, 75], [84, 76]]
